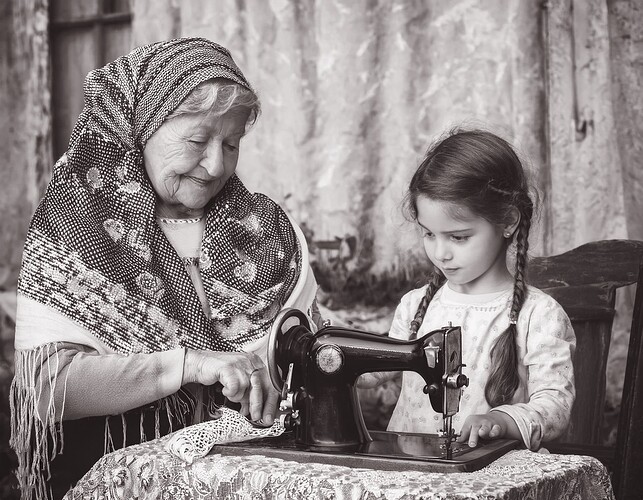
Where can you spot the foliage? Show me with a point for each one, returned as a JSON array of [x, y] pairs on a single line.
[[343, 268]]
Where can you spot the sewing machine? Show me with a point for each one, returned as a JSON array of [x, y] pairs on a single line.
[[320, 404]]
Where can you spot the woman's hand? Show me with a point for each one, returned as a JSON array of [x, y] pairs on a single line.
[[244, 378], [373, 379], [492, 425]]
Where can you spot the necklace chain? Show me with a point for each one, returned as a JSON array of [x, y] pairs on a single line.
[[165, 220], [190, 261]]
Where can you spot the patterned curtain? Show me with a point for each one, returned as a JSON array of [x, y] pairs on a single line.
[[354, 91]]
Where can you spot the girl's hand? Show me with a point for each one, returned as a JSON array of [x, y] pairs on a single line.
[[244, 377], [491, 425]]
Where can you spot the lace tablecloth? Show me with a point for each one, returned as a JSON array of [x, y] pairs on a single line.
[[147, 471]]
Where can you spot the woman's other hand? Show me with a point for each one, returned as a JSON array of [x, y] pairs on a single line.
[[244, 378], [373, 379]]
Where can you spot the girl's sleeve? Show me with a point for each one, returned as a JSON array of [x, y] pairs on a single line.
[[550, 348]]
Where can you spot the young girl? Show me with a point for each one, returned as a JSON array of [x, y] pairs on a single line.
[[470, 198]]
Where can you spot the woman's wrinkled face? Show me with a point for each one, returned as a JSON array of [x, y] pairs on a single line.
[[190, 157]]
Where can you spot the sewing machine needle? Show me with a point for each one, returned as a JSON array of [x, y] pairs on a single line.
[[448, 424]]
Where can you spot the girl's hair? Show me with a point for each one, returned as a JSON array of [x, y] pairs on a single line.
[[220, 96], [480, 171]]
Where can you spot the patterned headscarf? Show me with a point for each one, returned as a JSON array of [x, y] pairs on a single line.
[[94, 251]]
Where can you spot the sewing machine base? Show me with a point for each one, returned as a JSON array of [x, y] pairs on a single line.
[[396, 451]]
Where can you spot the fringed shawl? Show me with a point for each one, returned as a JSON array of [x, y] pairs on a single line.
[[95, 253]]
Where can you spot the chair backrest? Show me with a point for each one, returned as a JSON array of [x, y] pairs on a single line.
[[584, 281]]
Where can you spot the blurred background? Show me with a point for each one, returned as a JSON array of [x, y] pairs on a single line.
[[353, 93]]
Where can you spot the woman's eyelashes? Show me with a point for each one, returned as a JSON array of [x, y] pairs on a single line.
[[197, 144], [202, 143], [232, 147]]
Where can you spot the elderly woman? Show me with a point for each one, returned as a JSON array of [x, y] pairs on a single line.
[[149, 271]]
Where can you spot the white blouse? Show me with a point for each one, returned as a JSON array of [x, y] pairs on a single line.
[[546, 342]]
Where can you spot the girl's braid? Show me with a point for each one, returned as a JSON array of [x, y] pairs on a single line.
[[522, 246], [435, 282], [504, 379]]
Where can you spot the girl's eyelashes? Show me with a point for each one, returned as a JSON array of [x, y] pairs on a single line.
[[458, 238]]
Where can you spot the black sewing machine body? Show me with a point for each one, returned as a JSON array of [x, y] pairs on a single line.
[[329, 410], [317, 372], [322, 370]]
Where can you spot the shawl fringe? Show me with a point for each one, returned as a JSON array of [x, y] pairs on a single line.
[[38, 438], [30, 431]]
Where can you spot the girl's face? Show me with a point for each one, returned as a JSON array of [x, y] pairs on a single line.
[[469, 250], [190, 157]]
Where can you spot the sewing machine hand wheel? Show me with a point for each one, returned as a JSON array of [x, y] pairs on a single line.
[[275, 331]]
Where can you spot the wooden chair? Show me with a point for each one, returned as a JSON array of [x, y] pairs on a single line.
[[584, 281]]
